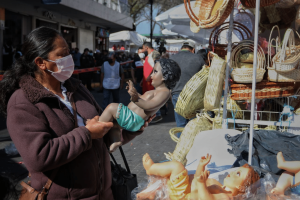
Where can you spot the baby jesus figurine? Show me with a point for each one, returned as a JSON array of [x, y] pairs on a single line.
[[164, 76], [198, 186], [288, 179]]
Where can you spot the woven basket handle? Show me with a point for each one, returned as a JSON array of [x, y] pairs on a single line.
[[270, 43], [288, 40], [194, 18], [223, 29], [236, 25]]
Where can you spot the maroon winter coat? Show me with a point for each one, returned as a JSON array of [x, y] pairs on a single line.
[[43, 131]]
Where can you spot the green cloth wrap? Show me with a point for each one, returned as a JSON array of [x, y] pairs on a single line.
[[129, 120]]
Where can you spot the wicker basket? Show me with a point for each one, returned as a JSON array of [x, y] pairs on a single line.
[[263, 3], [191, 97], [287, 58], [211, 14], [264, 90], [214, 87], [186, 140], [240, 75], [221, 49], [292, 76]]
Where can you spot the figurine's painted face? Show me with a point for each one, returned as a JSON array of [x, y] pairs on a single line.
[[236, 178], [157, 76]]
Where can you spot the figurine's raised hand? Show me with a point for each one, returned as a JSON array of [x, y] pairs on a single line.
[[205, 160], [203, 176], [132, 91]]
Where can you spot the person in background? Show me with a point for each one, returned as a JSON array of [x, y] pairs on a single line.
[[122, 48], [204, 55], [86, 61], [137, 72], [76, 58], [147, 70], [112, 80], [165, 55], [118, 48], [190, 63], [98, 58], [114, 47], [142, 57]]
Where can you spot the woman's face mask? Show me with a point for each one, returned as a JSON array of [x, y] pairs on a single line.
[[65, 68]]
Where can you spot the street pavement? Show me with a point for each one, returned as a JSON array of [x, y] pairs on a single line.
[[155, 140]]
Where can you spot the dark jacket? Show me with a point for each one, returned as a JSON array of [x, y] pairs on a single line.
[[86, 61], [42, 129], [189, 64]]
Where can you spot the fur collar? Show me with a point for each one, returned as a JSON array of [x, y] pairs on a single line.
[[34, 91]]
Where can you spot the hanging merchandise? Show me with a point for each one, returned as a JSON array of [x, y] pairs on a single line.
[[214, 87], [221, 49], [270, 17], [193, 26], [246, 18], [211, 13], [297, 19], [263, 3], [285, 3], [245, 74], [192, 95]]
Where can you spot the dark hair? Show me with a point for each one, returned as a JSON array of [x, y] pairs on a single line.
[[203, 53], [86, 49], [187, 47], [38, 43], [148, 44], [171, 72], [140, 47]]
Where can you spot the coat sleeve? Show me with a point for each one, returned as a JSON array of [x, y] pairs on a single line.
[[41, 152]]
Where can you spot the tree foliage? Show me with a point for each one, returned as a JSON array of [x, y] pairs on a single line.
[[140, 9]]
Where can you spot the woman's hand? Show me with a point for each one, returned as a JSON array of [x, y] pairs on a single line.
[[147, 123], [98, 129]]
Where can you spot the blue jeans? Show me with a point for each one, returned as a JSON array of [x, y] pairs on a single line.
[[180, 121], [106, 97]]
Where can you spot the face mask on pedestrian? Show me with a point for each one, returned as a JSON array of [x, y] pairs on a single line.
[[91, 54], [65, 68]]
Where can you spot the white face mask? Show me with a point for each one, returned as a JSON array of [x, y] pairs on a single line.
[[65, 68]]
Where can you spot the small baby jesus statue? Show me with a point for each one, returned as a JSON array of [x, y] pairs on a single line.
[[164, 76], [198, 186], [288, 179]]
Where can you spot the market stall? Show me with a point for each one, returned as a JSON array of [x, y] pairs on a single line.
[[251, 83]]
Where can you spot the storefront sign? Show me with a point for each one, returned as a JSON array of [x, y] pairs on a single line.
[[2, 18], [102, 32], [50, 2]]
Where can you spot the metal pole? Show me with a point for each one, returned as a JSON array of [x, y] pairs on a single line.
[[225, 123], [151, 20], [253, 83]]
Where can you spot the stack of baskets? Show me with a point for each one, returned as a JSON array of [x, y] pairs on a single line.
[[244, 74], [286, 63]]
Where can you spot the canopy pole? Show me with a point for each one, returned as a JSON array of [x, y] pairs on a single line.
[[254, 83], [229, 48]]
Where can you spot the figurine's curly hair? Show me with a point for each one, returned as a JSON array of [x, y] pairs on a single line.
[[250, 179], [171, 72]]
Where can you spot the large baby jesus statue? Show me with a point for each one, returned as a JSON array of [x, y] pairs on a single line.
[[198, 186], [165, 74]]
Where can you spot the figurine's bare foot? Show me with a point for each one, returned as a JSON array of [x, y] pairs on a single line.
[[280, 160], [147, 163], [114, 146], [277, 191], [145, 195]]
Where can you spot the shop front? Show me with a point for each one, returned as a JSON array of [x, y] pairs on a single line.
[[102, 39]]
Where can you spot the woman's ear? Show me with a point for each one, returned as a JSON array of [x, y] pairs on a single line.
[[40, 62]]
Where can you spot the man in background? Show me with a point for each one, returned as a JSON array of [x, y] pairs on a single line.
[[189, 63], [76, 58], [112, 80], [86, 61]]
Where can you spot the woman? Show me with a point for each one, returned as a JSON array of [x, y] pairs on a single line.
[[37, 95]]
